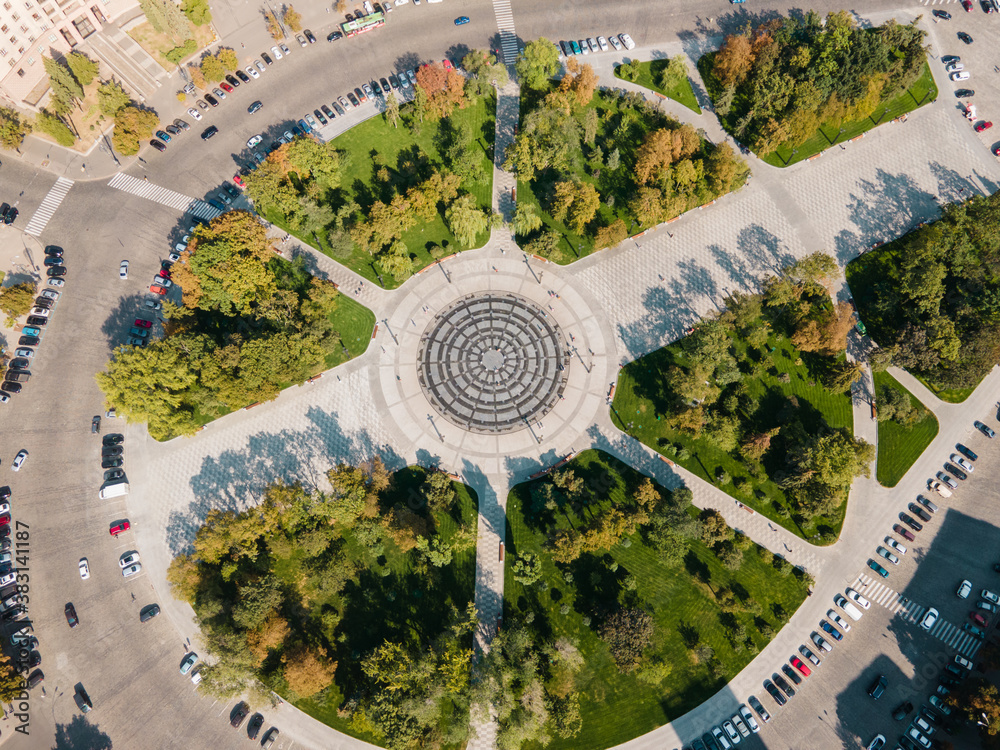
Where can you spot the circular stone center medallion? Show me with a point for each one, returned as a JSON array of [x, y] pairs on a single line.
[[492, 362]]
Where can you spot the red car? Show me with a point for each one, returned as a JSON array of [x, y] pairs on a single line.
[[157, 289], [164, 273], [143, 323], [797, 663], [996, 151], [226, 87], [978, 619], [447, 65], [238, 179], [983, 125], [904, 532], [5, 519], [967, 4], [118, 528]]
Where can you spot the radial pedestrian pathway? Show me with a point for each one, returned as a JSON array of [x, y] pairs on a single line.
[[164, 196], [951, 635], [48, 207]]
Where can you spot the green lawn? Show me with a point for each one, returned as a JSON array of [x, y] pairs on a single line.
[[355, 323], [387, 599], [900, 446], [923, 91], [617, 707], [681, 92], [951, 395], [395, 148], [635, 411]]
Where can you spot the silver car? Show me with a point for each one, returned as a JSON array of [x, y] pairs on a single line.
[[131, 570]]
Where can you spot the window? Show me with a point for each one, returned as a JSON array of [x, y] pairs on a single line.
[[24, 29], [28, 6], [4, 29], [36, 16], [6, 6], [31, 38], [3, 52], [84, 26], [68, 37], [14, 16], [52, 38], [31, 61], [20, 72]]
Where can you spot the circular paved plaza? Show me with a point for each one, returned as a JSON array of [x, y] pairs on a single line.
[[492, 361]]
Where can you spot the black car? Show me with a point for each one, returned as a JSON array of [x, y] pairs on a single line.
[[37, 320], [4, 492], [4, 208], [149, 613], [215, 204], [916, 510], [56, 271], [20, 363], [209, 132], [29, 341], [113, 474], [35, 679], [350, 16], [232, 81], [911, 522], [111, 463], [71, 617], [966, 452], [328, 112], [10, 387], [9, 217], [111, 450], [253, 728], [242, 76], [211, 100], [956, 670], [269, 738], [790, 674], [334, 36], [375, 87], [309, 36], [115, 438], [53, 250], [353, 99], [965, 37], [394, 82], [954, 470], [239, 715], [233, 192], [44, 302], [877, 688], [386, 88], [266, 58], [255, 107], [320, 116], [34, 659], [775, 693], [10, 614], [95, 425], [941, 14], [783, 684], [53, 260], [83, 701], [158, 145], [173, 130]]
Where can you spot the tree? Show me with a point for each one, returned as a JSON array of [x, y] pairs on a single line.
[[64, 85], [579, 80], [613, 160], [576, 201], [132, 125], [268, 186], [228, 58], [292, 19], [273, 27], [212, 68], [627, 632], [197, 12], [111, 97], [307, 670], [674, 73], [84, 69], [526, 219], [11, 683], [466, 220], [527, 568], [663, 147], [155, 14], [590, 126], [895, 404], [392, 109], [320, 161], [714, 529], [12, 128], [537, 64], [16, 300], [545, 245], [46, 122], [611, 235], [733, 60], [978, 700], [843, 375]]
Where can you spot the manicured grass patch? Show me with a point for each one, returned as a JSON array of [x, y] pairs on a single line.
[[616, 706], [374, 144], [900, 446], [639, 410], [355, 323], [923, 91], [950, 395], [649, 75], [158, 44]]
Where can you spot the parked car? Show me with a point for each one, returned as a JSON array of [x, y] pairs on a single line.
[[877, 688], [916, 510], [878, 568], [239, 715], [987, 431]]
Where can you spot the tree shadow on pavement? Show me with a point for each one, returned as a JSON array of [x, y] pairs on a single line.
[[80, 734]]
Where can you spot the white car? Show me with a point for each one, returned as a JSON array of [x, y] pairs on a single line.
[[840, 621], [962, 75], [84, 569], [41, 312], [929, 619], [964, 589], [877, 743], [4, 508], [260, 66], [254, 141], [56, 282], [123, 270], [49, 294], [19, 460], [895, 545], [737, 721], [849, 608], [152, 304], [962, 462], [219, 93], [615, 43], [963, 662], [194, 113], [953, 67], [916, 736], [252, 71], [131, 570], [9, 578], [602, 43], [627, 41], [162, 281], [921, 723], [751, 722], [887, 555], [821, 642], [129, 558], [986, 593], [173, 257], [854, 595]]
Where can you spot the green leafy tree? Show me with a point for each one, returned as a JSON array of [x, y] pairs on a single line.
[[197, 12], [228, 58], [13, 128], [268, 187], [65, 87], [895, 404], [83, 68], [527, 568], [392, 109], [537, 64], [674, 73], [111, 97], [17, 300], [257, 600], [627, 632], [466, 220], [11, 683], [47, 123], [212, 69], [526, 219], [321, 161]]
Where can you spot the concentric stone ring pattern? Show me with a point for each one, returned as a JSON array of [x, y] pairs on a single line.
[[492, 362]]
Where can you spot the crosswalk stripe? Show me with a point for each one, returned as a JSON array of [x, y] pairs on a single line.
[[163, 196], [48, 206]]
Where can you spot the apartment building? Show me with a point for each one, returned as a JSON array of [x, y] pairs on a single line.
[[31, 29]]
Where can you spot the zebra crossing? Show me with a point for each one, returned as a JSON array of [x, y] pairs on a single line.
[[952, 635], [937, 2], [48, 206], [164, 196], [505, 23]]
